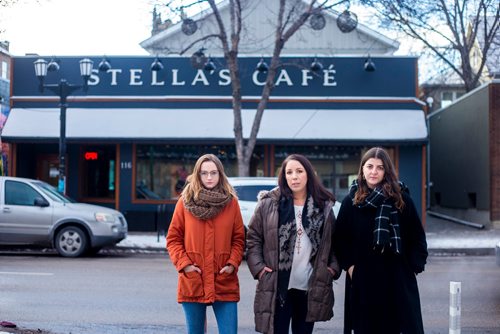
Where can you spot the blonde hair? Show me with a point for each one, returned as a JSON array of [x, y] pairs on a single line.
[[194, 185]]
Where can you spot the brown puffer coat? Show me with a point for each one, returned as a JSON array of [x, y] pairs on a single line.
[[263, 250]]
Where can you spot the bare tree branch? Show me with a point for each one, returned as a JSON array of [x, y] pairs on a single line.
[[197, 41], [290, 17], [457, 23]]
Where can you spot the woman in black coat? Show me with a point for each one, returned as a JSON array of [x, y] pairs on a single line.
[[380, 243]]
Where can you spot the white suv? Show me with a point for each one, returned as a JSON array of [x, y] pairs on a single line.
[[247, 189]]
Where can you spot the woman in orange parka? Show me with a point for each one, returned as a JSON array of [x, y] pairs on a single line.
[[206, 241]]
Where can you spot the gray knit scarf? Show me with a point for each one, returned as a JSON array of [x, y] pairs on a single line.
[[208, 204], [386, 233]]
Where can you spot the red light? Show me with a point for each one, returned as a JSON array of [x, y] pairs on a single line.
[[91, 156]]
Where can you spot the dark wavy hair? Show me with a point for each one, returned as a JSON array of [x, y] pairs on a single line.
[[314, 187], [389, 184]]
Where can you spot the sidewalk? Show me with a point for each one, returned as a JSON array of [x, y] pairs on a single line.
[[449, 237], [442, 237]]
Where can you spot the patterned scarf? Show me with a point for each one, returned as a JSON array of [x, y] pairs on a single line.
[[208, 204], [386, 231], [312, 221]]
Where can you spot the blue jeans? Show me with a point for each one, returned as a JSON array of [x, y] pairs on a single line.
[[226, 314]]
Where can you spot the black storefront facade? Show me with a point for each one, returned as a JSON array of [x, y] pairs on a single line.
[[134, 137]]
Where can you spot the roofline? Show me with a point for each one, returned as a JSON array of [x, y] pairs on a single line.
[[176, 27]]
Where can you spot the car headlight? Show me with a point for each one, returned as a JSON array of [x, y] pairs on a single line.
[[104, 217]]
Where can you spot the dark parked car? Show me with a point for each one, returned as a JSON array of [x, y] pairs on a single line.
[[32, 212]]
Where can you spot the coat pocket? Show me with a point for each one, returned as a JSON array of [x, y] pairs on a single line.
[[227, 283], [190, 284]]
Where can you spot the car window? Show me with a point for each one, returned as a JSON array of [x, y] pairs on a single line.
[[52, 192], [18, 193], [249, 193]]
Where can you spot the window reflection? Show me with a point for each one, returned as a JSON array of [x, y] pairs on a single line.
[[336, 166], [161, 170]]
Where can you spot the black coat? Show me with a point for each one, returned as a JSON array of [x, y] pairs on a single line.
[[382, 296]]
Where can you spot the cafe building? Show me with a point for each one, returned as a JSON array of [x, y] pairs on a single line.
[[133, 137]]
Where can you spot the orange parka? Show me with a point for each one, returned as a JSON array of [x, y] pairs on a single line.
[[209, 244]]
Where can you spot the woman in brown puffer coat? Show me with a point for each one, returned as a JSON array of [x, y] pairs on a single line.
[[290, 251]]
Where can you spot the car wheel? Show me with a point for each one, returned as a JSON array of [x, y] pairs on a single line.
[[71, 241]]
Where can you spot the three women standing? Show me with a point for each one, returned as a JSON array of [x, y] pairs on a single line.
[[381, 244], [290, 251], [206, 241]]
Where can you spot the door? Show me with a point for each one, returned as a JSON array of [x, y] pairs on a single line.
[[21, 221], [98, 172], [47, 168]]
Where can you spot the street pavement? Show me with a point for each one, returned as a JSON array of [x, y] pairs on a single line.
[[443, 236]]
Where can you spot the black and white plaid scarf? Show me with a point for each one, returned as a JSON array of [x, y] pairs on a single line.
[[386, 231]]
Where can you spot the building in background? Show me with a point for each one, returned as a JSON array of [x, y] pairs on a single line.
[[446, 87], [463, 140], [465, 156], [136, 135], [4, 101]]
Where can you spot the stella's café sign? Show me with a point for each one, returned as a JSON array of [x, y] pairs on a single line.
[[339, 76]]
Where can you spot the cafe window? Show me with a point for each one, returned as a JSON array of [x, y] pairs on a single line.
[[99, 172], [161, 170], [336, 166]]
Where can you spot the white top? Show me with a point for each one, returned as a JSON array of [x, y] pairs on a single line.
[[301, 266]]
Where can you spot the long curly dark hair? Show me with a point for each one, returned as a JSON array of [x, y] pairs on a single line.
[[389, 184], [315, 189]]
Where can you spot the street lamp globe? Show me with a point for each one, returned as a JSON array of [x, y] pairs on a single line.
[[40, 67]]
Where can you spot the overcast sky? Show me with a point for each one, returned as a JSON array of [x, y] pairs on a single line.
[[89, 27], [77, 27]]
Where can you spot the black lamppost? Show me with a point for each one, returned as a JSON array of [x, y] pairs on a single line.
[[63, 89]]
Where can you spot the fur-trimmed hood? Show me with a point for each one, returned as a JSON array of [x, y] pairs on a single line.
[[274, 194]]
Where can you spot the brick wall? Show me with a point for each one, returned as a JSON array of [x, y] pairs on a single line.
[[494, 117]]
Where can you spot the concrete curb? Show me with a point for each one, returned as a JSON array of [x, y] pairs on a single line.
[[480, 251], [461, 251]]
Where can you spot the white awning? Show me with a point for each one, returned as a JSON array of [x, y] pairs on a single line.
[[179, 124]]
